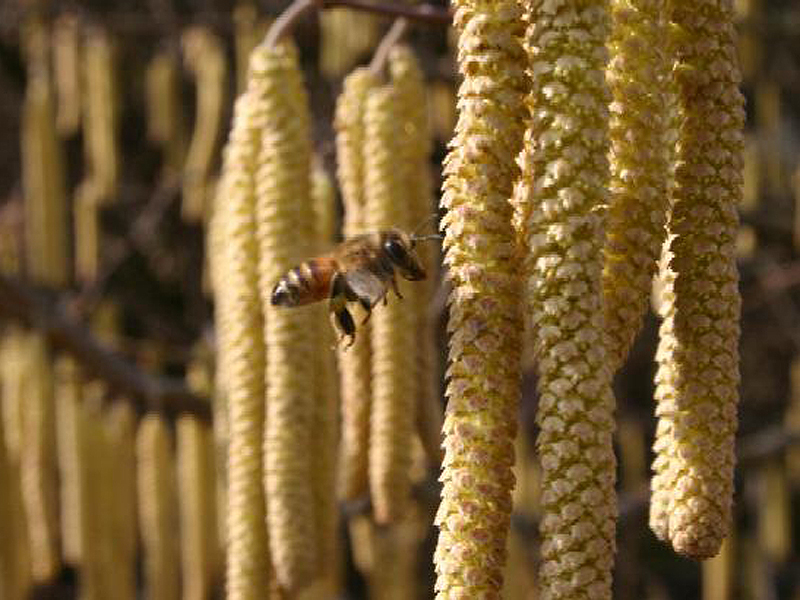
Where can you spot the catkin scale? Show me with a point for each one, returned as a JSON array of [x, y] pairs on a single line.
[[283, 225], [698, 372], [393, 402], [485, 319], [558, 213], [354, 363]]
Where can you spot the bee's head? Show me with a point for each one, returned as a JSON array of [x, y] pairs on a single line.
[[283, 294], [399, 247]]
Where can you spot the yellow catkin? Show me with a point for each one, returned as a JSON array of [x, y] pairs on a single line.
[[96, 479], [14, 551], [100, 113], [38, 462], [284, 225], [164, 108], [698, 367], [558, 210], [637, 74], [196, 488], [67, 74], [393, 342], [354, 362], [416, 146], [70, 455], [120, 434], [46, 238], [325, 429], [485, 319], [158, 518], [241, 355], [86, 217], [205, 58]]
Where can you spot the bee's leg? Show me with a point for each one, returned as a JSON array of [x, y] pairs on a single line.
[[395, 288], [367, 306], [343, 320]]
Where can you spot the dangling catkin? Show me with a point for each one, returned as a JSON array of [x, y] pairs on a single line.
[[69, 438], [120, 434], [164, 108], [38, 462], [67, 74], [637, 74], [205, 57], [240, 350], [393, 342], [284, 225], [14, 556], [698, 370], [100, 113], [158, 518], [355, 362], [46, 239], [325, 426], [558, 205], [196, 503], [485, 319], [416, 146]]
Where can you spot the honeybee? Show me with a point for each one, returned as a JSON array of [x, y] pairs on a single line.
[[360, 269]]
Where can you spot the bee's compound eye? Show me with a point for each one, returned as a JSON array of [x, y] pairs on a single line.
[[395, 250]]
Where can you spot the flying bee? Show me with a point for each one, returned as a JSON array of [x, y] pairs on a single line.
[[360, 269]]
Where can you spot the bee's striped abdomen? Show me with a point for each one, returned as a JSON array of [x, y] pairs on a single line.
[[306, 283]]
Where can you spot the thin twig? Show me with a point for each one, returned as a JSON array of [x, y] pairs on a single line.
[[396, 31], [146, 392], [287, 19]]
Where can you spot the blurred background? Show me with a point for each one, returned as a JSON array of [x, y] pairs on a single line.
[[113, 115]]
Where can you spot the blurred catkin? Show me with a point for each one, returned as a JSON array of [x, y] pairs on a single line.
[[637, 74], [698, 366], [67, 73], [38, 461], [46, 235], [101, 111], [346, 35], [198, 519], [393, 342], [158, 506], [205, 58], [485, 319], [240, 350], [71, 447], [415, 155], [354, 362], [14, 551], [164, 108], [558, 204], [284, 225], [120, 434], [325, 414]]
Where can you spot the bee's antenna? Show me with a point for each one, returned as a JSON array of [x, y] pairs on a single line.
[[422, 225], [424, 238]]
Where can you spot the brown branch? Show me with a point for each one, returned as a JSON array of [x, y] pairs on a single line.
[[423, 13], [146, 392], [284, 23]]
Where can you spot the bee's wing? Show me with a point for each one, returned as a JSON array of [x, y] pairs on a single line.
[[365, 285]]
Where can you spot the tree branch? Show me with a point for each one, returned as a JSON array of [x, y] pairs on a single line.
[[424, 13], [146, 392]]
